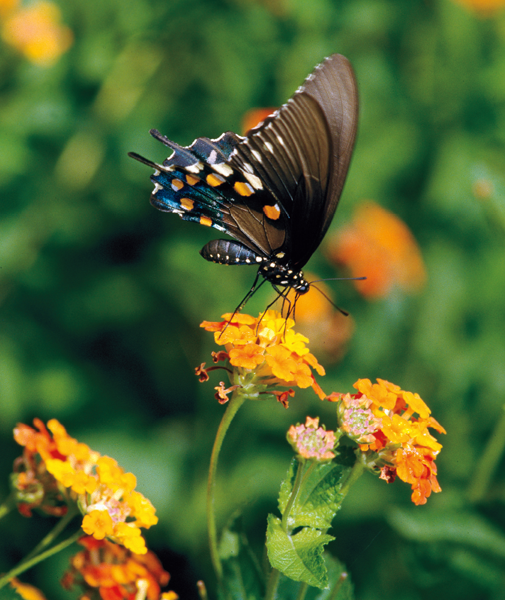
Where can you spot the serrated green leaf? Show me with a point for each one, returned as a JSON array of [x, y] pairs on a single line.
[[340, 586], [319, 496], [298, 556]]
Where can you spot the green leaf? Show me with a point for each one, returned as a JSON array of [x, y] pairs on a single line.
[[298, 556], [319, 497], [242, 576], [340, 586]]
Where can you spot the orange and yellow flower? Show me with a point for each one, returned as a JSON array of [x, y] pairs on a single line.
[[106, 571], [392, 428], [263, 353], [56, 472], [379, 246]]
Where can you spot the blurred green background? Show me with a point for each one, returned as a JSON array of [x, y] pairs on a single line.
[[101, 295]]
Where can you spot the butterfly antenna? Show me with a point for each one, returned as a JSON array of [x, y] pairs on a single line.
[[247, 297], [340, 310]]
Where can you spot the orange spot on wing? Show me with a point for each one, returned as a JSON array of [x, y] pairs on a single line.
[[192, 180], [213, 180], [206, 221], [187, 203], [177, 184], [272, 212], [243, 189]]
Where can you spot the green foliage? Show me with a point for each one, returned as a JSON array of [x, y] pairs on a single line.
[[299, 556]]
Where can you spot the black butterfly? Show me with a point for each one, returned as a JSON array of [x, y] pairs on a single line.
[[276, 189]]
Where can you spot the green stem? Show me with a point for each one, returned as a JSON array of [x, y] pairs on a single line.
[[294, 492], [25, 565], [234, 404], [334, 592], [354, 474], [488, 462], [273, 582], [7, 506], [302, 592], [52, 535]]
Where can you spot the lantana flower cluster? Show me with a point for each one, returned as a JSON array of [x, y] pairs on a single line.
[[391, 427], [56, 472], [262, 353], [107, 571]]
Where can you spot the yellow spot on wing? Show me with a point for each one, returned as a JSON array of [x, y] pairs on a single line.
[[177, 184], [244, 189], [191, 179], [187, 203], [206, 221], [214, 180], [272, 212]]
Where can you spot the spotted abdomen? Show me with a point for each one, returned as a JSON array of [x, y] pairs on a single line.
[[226, 252]]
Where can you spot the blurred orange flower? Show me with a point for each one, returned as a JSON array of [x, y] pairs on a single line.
[[378, 245], [35, 31], [253, 117], [485, 8]]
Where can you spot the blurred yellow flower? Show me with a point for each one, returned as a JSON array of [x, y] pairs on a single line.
[[36, 31], [378, 245]]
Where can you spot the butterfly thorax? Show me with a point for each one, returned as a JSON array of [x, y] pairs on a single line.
[[282, 275]]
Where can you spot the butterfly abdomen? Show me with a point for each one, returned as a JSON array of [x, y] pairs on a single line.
[[226, 252]]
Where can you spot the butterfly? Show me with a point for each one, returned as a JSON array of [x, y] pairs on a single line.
[[274, 191]]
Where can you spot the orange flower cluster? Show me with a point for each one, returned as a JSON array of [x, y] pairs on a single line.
[[106, 571], [384, 416], [35, 30], [312, 442], [380, 247], [55, 472], [263, 352]]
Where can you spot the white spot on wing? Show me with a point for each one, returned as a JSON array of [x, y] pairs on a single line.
[[269, 146], [196, 168], [257, 155], [254, 181], [222, 168]]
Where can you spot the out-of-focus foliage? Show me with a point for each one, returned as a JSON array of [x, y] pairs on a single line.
[[101, 295]]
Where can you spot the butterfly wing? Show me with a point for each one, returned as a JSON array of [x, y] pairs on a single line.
[[276, 190], [302, 152]]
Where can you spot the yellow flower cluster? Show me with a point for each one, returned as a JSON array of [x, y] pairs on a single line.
[[268, 349], [104, 493]]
